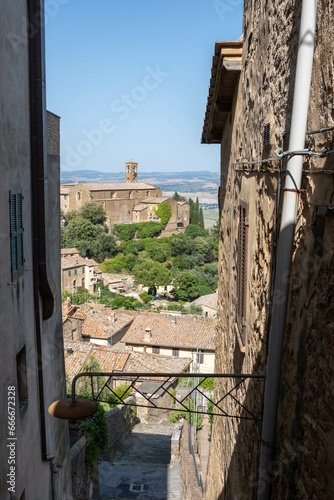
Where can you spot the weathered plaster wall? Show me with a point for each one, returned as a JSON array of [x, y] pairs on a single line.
[[264, 96], [34, 475]]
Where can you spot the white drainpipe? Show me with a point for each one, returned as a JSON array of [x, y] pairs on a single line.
[[286, 238]]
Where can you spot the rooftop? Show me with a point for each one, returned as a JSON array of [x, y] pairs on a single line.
[[172, 331], [140, 208], [114, 186], [68, 262], [102, 322], [210, 301], [78, 353], [159, 199], [69, 251]]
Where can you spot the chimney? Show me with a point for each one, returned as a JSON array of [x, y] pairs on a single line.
[[70, 350], [69, 305], [148, 335], [173, 319], [145, 347], [112, 317]]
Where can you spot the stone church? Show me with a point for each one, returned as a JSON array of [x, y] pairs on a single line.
[[126, 202]]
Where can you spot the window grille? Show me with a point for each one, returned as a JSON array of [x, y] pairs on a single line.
[[242, 269], [156, 350], [16, 233], [176, 352], [266, 134]]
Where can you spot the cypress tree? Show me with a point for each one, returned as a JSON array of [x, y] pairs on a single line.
[[196, 213], [201, 218], [191, 211]]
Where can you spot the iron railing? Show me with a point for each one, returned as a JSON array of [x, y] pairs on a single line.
[[164, 384]]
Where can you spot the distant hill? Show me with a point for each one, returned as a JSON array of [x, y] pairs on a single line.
[[203, 183]]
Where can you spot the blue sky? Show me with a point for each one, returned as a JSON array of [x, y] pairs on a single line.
[[130, 78]]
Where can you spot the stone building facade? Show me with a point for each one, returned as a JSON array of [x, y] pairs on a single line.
[[249, 114], [125, 202], [31, 358], [77, 272]]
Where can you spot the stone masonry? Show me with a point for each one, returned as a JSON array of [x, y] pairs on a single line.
[[263, 97]]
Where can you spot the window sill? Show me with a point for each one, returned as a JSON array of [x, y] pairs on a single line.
[[241, 345]]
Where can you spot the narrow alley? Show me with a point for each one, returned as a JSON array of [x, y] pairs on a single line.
[[140, 468]]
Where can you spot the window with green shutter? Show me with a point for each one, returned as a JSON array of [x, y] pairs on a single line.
[[16, 233]]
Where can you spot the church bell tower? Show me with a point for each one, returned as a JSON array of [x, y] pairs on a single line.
[[131, 171]]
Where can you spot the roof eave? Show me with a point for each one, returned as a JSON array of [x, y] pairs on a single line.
[[225, 70]]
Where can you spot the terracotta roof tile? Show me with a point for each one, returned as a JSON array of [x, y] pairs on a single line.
[[172, 331], [101, 322], [65, 251], [142, 362], [76, 261], [110, 360], [78, 353], [208, 301]]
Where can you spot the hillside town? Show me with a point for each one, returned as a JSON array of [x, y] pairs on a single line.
[[150, 353]]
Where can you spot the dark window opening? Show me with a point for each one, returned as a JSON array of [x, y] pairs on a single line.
[[155, 350], [200, 358], [22, 382], [242, 269], [16, 233], [176, 352]]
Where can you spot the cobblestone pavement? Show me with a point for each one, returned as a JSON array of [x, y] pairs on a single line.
[[140, 467]]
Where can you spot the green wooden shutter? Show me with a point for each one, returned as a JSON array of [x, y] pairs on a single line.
[[16, 233]]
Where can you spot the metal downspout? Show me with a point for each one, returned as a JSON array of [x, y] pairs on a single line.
[[285, 247], [44, 302]]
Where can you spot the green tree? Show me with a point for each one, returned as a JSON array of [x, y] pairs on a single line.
[[210, 274], [178, 197], [70, 215], [150, 273], [202, 245], [193, 231], [94, 212], [164, 212], [148, 229], [201, 218], [145, 297], [182, 245], [115, 265], [186, 286], [81, 229], [156, 253], [196, 213], [191, 210], [102, 248], [125, 232]]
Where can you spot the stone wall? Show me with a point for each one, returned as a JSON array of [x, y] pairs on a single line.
[[119, 421], [152, 415], [304, 452], [188, 478], [53, 134], [82, 483]]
